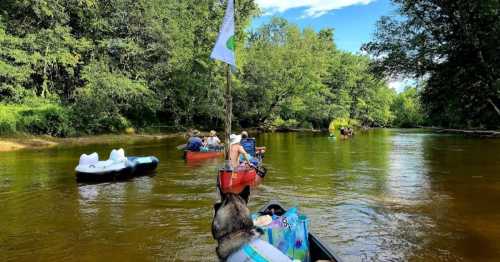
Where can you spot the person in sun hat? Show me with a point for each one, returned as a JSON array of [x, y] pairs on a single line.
[[235, 150], [194, 143], [213, 141]]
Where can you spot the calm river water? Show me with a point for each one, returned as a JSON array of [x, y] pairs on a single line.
[[385, 195]]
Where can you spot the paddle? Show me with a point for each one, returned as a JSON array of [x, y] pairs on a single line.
[[181, 147]]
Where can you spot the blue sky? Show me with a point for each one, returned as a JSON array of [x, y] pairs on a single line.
[[353, 20]]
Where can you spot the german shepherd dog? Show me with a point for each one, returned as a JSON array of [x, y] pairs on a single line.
[[232, 226]]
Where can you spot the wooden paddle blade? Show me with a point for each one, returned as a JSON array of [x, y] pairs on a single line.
[[181, 147]]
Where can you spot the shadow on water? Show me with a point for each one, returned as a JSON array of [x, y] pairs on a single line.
[[383, 195]]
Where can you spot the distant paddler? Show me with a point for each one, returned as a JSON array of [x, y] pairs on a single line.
[[194, 143], [343, 133], [346, 132], [213, 142]]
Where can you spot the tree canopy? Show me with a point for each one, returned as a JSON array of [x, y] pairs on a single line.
[[108, 65], [454, 47]]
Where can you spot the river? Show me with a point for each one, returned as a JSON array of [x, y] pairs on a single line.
[[385, 195]]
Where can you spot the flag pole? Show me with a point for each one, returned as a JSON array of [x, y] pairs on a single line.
[[224, 51], [229, 109]]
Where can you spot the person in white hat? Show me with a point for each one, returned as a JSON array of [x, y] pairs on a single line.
[[235, 149], [213, 141]]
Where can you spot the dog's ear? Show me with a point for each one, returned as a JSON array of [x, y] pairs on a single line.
[[245, 194]]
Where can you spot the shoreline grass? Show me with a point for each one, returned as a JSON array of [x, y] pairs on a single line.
[[18, 142]]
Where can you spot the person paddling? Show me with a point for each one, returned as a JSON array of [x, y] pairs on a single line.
[[235, 150], [257, 150], [213, 141], [194, 143]]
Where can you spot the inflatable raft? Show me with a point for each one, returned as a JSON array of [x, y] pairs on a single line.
[[117, 167]]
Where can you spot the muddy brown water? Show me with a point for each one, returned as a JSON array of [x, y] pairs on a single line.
[[385, 195]]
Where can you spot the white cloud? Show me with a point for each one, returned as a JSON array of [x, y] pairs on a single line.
[[314, 8]]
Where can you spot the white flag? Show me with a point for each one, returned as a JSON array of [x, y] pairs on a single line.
[[224, 47]]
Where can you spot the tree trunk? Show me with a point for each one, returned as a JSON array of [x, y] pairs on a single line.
[[44, 83]]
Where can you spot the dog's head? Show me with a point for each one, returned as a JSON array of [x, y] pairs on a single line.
[[231, 214]]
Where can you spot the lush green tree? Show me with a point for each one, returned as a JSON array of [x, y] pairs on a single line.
[[282, 62], [357, 93], [101, 66], [110, 101], [44, 62], [407, 109], [46, 46], [453, 45]]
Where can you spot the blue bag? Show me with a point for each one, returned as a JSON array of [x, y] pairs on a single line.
[[289, 233]]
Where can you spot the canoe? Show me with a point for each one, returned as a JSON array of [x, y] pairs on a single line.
[[232, 181], [228, 178], [317, 249], [195, 155]]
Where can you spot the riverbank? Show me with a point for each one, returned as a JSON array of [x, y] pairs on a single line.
[[40, 142], [467, 132], [26, 141]]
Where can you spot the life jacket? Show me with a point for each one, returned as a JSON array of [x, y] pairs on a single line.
[[249, 145], [194, 144]]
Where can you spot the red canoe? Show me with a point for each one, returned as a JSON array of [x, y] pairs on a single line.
[[194, 155], [234, 182]]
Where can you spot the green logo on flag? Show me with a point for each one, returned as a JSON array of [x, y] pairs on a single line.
[[230, 43]]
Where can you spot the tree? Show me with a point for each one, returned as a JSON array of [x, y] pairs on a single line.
[[153, 46], [357, 92], [454, 45], [107, 65], [282, 62], [407, 109]]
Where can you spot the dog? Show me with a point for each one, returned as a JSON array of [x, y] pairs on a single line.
[[236, 235]]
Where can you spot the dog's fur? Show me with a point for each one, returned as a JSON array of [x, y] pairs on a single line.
[[232, 226]]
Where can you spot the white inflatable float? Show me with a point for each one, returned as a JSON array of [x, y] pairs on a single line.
[[117, 167]]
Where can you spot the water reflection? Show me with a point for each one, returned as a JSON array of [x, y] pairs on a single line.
[[383, 195]]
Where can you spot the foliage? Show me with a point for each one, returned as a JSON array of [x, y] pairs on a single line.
[[407, 109], [107, 66], [301, 76], [338, 123], [280, 123], [35, 117], [454, 46], [358, 94], [109, 99], [282, 63], [50, 119], [8, 118]]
